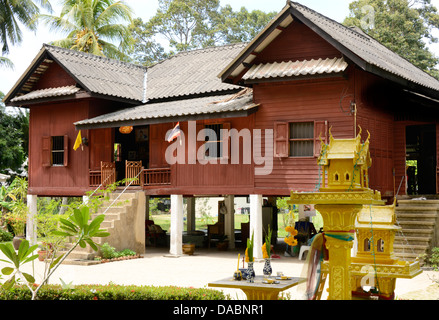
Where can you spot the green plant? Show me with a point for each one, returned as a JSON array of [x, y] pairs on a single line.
[[76, 226], [113, 292], [107, 251], [17, 215], [434, 258], [5, 235]]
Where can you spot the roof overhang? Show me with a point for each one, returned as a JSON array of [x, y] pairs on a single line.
[[234, 72], [209, 107]]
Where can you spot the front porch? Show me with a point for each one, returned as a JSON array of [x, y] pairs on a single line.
[[135, 175]]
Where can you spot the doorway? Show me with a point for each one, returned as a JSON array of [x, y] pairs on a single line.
[[133, 146], [421, 159]]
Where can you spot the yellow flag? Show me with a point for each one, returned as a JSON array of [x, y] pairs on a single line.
[[78, 141]]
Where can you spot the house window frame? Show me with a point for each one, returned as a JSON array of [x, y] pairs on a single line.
[[282, 138], [219, 141], [290, 140], [48, 151]]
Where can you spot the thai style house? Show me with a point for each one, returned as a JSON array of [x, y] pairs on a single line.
[[266, 107]]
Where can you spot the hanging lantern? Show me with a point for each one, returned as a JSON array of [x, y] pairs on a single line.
[[126, 130]]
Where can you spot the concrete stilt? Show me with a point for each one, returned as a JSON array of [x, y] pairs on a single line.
[[176, 228], [31, 223], [256, 224]]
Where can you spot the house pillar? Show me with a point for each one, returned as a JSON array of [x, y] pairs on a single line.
[[190, 217], [256, 224], [229, 220], [31, 224], [176, 228], [146, 207]]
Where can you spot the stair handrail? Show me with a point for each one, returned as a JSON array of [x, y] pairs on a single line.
[[132, 180], [102, 183]]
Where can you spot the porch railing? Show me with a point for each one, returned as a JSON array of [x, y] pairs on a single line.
[[149, 177], [157, 176]]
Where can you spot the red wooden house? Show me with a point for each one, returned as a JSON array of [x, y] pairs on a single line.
[[301, 75]]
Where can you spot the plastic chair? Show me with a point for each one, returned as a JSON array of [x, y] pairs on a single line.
[[303, 249]]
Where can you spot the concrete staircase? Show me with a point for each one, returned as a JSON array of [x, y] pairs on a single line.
[[119, 222], [419, 222]]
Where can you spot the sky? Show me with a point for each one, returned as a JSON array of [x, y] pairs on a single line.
[[22, 55]]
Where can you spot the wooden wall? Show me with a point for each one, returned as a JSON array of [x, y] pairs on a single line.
[[56, 119]]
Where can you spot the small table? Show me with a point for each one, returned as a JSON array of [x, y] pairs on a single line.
[[258, 290]]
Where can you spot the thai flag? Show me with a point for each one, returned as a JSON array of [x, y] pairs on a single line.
[[174, 133]]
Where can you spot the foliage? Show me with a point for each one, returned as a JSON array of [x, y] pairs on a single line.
[[249, 250], [114, 292], [76, 226], [5, 235], [13, 15], [17, 215], [14, 139], [192, 24], [109, 252], [93, 26], [433, 259], [401, 25], [266, 247]]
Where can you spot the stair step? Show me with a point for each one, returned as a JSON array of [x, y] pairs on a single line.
[[417, 223], [412, 239]]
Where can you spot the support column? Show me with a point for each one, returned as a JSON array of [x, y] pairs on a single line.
[[176, 228], [229, 220], [190, 209], [256, 224], [146, 207], [31, 223]]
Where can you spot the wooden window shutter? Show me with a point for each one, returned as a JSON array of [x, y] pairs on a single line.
[[66, 150], [226, 141], [46, 152], [281, 139], [320, 132]]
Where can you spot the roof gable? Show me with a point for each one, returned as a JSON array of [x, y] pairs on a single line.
[[364, 51], [96, 75]]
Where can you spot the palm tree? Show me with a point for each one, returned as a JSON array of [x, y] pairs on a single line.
[[11, 13], [94, 26]]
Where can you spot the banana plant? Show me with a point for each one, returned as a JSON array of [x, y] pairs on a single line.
[[76, 226]]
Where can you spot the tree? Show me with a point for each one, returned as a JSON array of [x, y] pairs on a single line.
[[242, 25], [192, 24], [11, 13], [14, 139], [94, 26], [401, 25]]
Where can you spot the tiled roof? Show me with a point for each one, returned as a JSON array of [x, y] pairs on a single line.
[[153, 112], [191, 73], [46, 93], [295, 69], [102, 75]]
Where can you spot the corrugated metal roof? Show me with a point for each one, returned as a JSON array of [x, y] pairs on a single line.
[[190, 73], [367, 48], [362, 49], [46, 93], [178, 108], [295, 68], [102, 75]]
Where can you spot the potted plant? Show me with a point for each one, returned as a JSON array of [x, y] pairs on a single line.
[[223, 243], [189, 248]]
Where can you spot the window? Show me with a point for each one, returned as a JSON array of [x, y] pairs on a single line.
[[214, 143], [55, 151], [299, 139], [58, 151]]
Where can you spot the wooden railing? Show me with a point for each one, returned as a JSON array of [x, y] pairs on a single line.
[[149, 177], [157, 176], [132, 170]]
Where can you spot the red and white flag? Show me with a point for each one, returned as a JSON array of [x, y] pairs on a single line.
[[174, 133]]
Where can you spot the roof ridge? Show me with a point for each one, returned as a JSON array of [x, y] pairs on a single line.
[[93, 56]]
